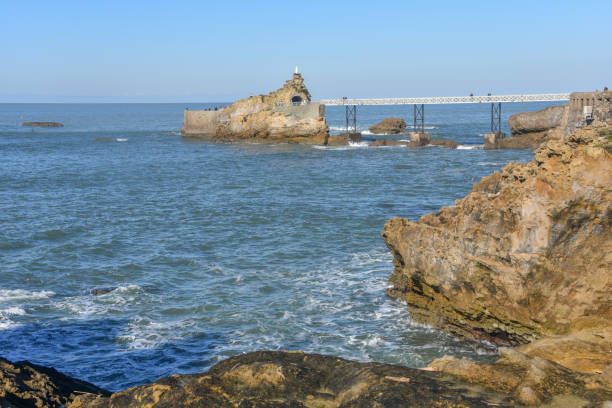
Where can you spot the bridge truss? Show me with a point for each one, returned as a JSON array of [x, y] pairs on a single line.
[[419, 111]]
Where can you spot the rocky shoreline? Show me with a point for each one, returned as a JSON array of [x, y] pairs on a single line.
[[524, 260]]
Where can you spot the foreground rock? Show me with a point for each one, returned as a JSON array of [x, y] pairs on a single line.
[[389, 126], [528, 253], [287, 115], [42, 124], [298, 380], [24, 384]]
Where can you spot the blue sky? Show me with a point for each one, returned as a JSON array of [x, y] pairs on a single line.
[[200, 51]]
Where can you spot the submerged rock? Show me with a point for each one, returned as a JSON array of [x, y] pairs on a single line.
[[42, 124], [24, 384], [528, 253], [285, 115], [102, 291], [389, 126], [449, 144]]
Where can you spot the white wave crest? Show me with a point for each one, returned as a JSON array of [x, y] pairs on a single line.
[[13, 295], [121, 140], [469, 147], [142, 333], [114, 301], [5, 314]]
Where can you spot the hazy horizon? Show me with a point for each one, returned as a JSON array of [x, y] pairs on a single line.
[[71, 52]]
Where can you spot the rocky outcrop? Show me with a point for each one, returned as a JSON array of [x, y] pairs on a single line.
[[298, 380], [544, 120], [528, 253], [42, 124], [24, 384], [286, 115], [389, 126]]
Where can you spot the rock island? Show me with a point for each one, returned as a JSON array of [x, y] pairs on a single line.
[[287, 115]]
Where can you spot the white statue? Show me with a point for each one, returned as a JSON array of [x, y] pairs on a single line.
[[296, 70]]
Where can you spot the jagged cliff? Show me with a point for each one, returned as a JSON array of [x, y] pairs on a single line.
[[527, 253], [285, 115]]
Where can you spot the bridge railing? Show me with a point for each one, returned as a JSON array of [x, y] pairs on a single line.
[[440, 100]]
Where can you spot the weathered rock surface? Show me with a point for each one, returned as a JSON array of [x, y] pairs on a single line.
[[532, 380], [528, 253], [536, 122], [298, 380], [285, 115], [24, 384], [42, 124], [389, 126]]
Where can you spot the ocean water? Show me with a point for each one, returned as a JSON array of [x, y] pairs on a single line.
[[214, 249]]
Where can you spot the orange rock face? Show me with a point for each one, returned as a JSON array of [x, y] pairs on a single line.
[[527, 253]]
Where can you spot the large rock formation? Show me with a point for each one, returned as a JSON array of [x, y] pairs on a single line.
[[389, 126], [541, 121], [528, 253], [285, 115]]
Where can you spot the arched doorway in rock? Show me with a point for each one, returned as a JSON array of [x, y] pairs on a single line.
[[296, 100]]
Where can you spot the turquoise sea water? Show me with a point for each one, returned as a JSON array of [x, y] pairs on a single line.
[[215, 249]]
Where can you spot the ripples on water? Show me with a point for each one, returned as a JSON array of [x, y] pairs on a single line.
[[215, 250]]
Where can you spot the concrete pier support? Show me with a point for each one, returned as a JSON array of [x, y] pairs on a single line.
[[493, 140], [420, 138]]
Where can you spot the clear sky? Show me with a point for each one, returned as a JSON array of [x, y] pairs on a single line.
[[205, 51]]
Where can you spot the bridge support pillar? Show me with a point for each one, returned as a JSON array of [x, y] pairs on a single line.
[[419, 118], [418, 136], [493, 140], [351, 123]]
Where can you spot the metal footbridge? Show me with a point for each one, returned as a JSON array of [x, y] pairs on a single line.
[[441, 100], [419, 106]]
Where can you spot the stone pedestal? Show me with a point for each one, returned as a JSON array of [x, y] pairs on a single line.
[[493, 140], [420, 139]]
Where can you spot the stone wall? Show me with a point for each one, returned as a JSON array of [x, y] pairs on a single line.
[[199, 122], [600, 101]]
